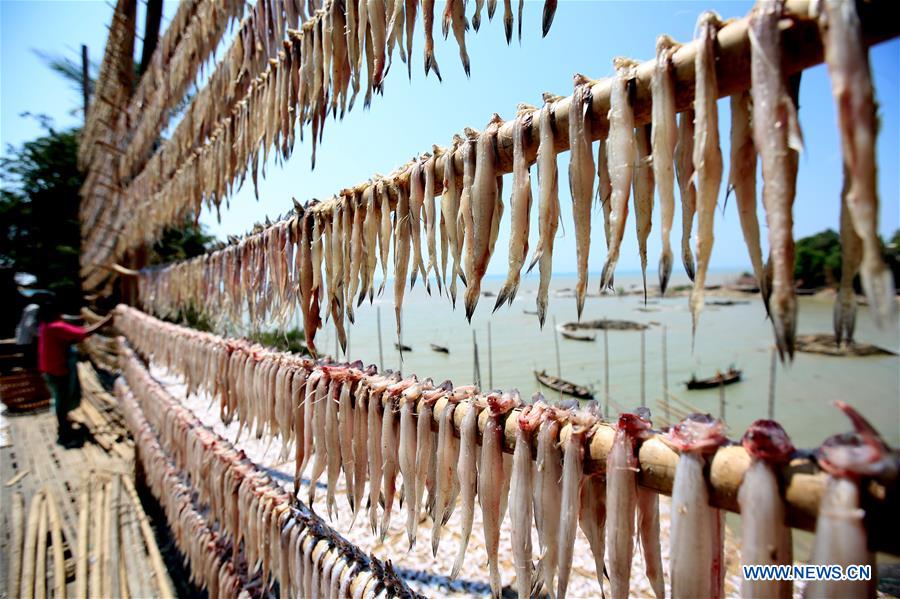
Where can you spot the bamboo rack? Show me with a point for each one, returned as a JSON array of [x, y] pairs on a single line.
[[803, 480]]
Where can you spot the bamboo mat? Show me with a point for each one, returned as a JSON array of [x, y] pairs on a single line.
[[37, 473]]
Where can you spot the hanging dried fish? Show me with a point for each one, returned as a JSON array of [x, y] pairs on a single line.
[[765, 538], [520, 206], [521, 509], [428, 24], [663, 139], [776, 132], [684, 170], [454, 15], [548, 206], [742, 179], [695, 563], [851, 256], [707, 153], [581, 181], [468, 476], [484, 197], [851, 84], [549, 12], [621, 148], [643, 195]]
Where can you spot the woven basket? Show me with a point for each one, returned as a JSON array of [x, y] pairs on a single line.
[[24, 391]]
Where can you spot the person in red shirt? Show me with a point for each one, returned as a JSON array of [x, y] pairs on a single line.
[[55, 340]]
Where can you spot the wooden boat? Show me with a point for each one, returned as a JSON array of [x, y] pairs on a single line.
[[563, 386], [439, 349], [402, 347], [731, 376], [530, 312], [575, 334]]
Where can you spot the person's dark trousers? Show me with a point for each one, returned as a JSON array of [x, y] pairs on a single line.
[[29, 355], [61, 388]]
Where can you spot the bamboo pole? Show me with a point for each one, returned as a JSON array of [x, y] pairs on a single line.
[[59, 560], [81, 557], [26, 586], [40, 569], [106, 524], [17, 531], [95, 566], [558, 361], [380, 350], [665, 377], [605, 373], [164, 585], [643, 368], [490, 359], [113, 556], [773, 366]]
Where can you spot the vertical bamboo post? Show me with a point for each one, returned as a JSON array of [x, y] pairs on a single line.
[[558, 362], [85, 80], [643, 368], [81, 558], [380, 350], [490, 359], [772, 366], [40, 568], [335, 343], [476, 370], [606, 372], [665, 375], [722, 401]]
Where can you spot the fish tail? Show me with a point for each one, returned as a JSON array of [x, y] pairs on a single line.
[[784, 320], [542, 310], [538, 252], [508, 27], [547, 20], [491, 9], [465, 60], [445, 25], [501, 296], [579, 298], [644, 276], [476, 21], [453, 292], [431, 64], [878, 285], [665, 271], [687, 258], [606, 274], [472, 294], [521, 7]]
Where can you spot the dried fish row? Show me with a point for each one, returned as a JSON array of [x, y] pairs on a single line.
[[178, 59], [264, 84], [573, 448], [246, 506], [467, 174]]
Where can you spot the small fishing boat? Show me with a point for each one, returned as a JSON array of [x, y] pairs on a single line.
[[731, 376], [575, 334], [530, 312], [439, 349], [563, 386], [402, 347]]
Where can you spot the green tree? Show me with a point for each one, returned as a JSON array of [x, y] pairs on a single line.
[[817, 260], [181, 243], [39, 211]]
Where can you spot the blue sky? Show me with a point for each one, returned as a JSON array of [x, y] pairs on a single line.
[[411, 116]]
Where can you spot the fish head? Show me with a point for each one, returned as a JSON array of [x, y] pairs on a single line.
[[634, 425], [768, 441], [697, 432], [665, 43], [500, 403], [861, 453]]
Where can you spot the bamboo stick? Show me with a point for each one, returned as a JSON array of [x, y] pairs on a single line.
[[96, 569], [164, 585], [81, 558], [26, 586], [112, 531], [17, 531], [106, 524], [40, 568], [59, 560]]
